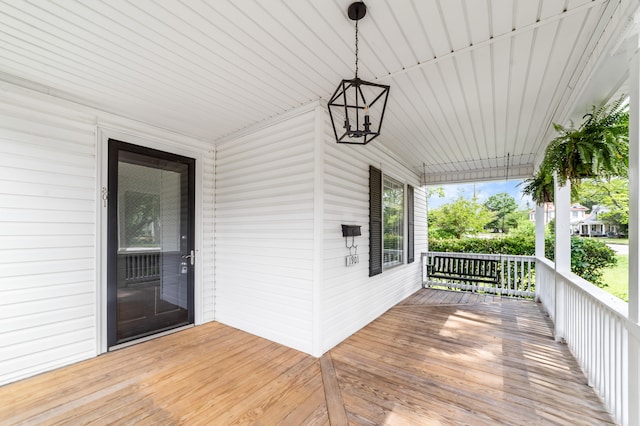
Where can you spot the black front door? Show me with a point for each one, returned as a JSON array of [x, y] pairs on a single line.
[[151, 242]]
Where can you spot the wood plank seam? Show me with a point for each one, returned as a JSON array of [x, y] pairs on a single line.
[[335, 403], [424, 363]]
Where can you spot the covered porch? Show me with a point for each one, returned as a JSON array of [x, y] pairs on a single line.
[[240, 90], [445, 357]]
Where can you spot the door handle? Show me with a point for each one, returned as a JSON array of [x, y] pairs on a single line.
[[191, 257]]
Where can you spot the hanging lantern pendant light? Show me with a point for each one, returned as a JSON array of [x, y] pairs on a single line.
[[357, 106]]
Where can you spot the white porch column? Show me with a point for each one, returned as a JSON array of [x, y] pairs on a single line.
[[634, 183], [562, 199], [634, 226], [540, 222], [563, 227]]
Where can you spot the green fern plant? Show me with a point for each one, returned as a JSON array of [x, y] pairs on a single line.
[[539, 187], [598, 148]]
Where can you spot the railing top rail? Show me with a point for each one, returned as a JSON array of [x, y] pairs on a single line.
[[480, 255], [617, 306], [140, 250], [548, 263], [613, 303]]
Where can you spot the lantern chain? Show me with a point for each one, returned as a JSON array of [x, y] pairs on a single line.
[[356, 49]]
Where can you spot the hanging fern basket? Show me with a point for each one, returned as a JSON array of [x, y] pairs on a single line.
[[598, 148]]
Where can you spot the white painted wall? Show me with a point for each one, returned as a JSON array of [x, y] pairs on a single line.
[[47, 237], [51, 280], [264, 231], [279, 253], [350, 298], [282, 192]]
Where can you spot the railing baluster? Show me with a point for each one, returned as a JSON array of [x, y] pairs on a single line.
[[521, 285], [502, 289], [490, 273], [529, 280], [141, 267], [508, 277], [594, 326]]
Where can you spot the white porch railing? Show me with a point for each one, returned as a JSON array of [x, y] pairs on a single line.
[[490, 273], [139, 266], [595, 326]]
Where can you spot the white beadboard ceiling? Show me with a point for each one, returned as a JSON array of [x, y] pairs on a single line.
[[473, 82]]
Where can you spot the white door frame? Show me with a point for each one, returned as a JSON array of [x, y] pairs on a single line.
[[103, 134]]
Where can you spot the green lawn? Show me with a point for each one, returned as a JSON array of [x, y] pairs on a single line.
[[624, 241], [617, 278]]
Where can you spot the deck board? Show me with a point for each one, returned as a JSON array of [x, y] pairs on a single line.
[[335, 403], [446, 357], [491, 361]]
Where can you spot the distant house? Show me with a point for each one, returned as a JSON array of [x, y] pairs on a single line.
[[582, 222], [578, 212], [591, 226]]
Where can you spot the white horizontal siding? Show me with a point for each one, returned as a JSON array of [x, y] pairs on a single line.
[[265, 247], [207, 235], [49, 299], [350, 298], [420, 222], [265, 231], [47, 237]]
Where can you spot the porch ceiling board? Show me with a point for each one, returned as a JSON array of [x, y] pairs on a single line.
[[472, 82]]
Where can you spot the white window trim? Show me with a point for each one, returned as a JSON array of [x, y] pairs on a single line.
[[385, 266]]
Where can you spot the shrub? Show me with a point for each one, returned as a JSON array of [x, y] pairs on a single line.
[[519, 245], [589, 257]]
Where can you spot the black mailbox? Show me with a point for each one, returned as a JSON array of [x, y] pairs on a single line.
[[351, 230]]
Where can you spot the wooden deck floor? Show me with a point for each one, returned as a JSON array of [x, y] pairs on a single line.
[[437, 358]]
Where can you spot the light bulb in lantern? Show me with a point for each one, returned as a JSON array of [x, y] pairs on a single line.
[[367, 123]]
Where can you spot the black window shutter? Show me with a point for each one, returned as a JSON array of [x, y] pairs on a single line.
[[375, 221], [410, 237]]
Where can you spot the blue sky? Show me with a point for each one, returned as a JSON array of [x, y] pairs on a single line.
[[483, 191]]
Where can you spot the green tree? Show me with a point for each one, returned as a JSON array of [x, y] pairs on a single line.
[[612, 193], [459, 217], [435, 190], [141, 219], [519, 223], [503, 205]]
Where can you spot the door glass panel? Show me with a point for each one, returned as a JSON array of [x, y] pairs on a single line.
[[152, 286]]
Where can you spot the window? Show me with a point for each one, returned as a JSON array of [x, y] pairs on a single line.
[[387, 222], [410, 226], [393, 219], [139, 220]]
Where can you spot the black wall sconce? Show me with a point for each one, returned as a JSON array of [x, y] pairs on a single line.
[[357, 106]]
